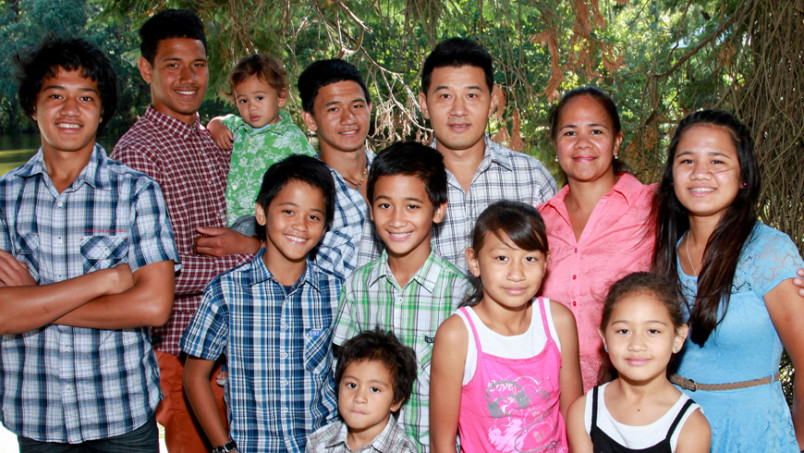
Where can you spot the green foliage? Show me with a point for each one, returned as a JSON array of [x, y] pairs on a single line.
[[26, 22]]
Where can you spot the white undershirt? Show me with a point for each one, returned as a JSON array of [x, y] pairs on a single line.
[[637, 437], [523, 346]]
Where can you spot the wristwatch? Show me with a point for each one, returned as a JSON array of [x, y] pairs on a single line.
[[225, 448]]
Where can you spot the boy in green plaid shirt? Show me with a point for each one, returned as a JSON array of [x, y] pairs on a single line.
[[410, 289]]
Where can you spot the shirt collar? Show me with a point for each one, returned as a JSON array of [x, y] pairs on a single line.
[[172, 125], [426, 276], [627, 186], [261, 274], [381, 443], [338, 437], [95, 173], [369, 159], [494, 153]]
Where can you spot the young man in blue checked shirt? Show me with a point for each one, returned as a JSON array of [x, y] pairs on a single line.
[[87, 264], [272, 317]]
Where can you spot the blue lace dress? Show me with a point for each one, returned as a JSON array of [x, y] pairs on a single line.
[[745, 346]]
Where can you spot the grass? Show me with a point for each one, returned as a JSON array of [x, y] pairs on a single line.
[[13, 158]]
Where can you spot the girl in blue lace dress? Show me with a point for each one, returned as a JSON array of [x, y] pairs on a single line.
[[736, 275]]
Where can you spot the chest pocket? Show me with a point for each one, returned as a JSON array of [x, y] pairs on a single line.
[[103, 252], [28, 252]]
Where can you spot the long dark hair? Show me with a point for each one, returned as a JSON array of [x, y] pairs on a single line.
[[726, 242]]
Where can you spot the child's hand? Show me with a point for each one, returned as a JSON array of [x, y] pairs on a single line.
[[221, 135]]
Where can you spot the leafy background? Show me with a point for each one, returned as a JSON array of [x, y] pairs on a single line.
[[659, 59]]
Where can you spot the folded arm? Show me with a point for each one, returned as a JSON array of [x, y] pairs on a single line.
[[24, 305], [148, 302]]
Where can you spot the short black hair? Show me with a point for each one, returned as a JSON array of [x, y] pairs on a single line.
[[69, 54], [297, 168], [411, 159], [458, 52], [326, 72], [385, 347], [170, 23]]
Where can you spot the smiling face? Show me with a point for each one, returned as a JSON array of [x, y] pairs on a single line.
[[706, 171], [511, 276], [68, 111], [641, 338], [586, 141], [340, 117], [404, 216], [258, 102], [366, 398], [294, 224], [178, 77], [458, 104]]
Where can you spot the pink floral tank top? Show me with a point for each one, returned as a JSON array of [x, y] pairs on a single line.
[[512, 405]]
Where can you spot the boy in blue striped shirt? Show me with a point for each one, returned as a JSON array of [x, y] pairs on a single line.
[[272, 318]]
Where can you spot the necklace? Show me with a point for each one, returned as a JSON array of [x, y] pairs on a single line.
[[689, 258], [362, 179]]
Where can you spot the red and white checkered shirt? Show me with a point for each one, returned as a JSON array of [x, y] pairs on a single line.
[[192, 171]]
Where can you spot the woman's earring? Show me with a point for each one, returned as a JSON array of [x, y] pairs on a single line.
[[616, 157], [556, 158], [606, 348]]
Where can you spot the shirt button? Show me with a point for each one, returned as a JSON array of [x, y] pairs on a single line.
[[284, 410], [59, 240], [574, 276], [60, 204], [284, 382], [576, 249], [284, 355], [284, 326], [574, 303]]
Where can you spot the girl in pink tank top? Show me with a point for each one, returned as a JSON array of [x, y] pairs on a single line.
[[499, 375]]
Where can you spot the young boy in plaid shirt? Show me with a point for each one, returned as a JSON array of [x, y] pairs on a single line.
[[410, 289], [272, 318], [374, 378]]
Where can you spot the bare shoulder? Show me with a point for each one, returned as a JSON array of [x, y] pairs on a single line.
[[576, 410], [695, 435], [452, 332], [562, 316]]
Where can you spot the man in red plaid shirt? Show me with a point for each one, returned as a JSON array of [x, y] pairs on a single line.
[[169, 144]]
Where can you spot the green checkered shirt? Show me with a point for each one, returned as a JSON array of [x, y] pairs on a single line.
[[372, 297], [254, 151]]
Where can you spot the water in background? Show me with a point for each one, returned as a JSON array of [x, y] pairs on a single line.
[[16, 149]]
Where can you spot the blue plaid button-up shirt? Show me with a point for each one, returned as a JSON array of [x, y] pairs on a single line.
[[68, 384], [337, 252], [278, 347]]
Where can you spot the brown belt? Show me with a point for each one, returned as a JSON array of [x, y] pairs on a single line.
[[689, 384]]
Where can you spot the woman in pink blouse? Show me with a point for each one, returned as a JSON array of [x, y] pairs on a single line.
[[598, 225]]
